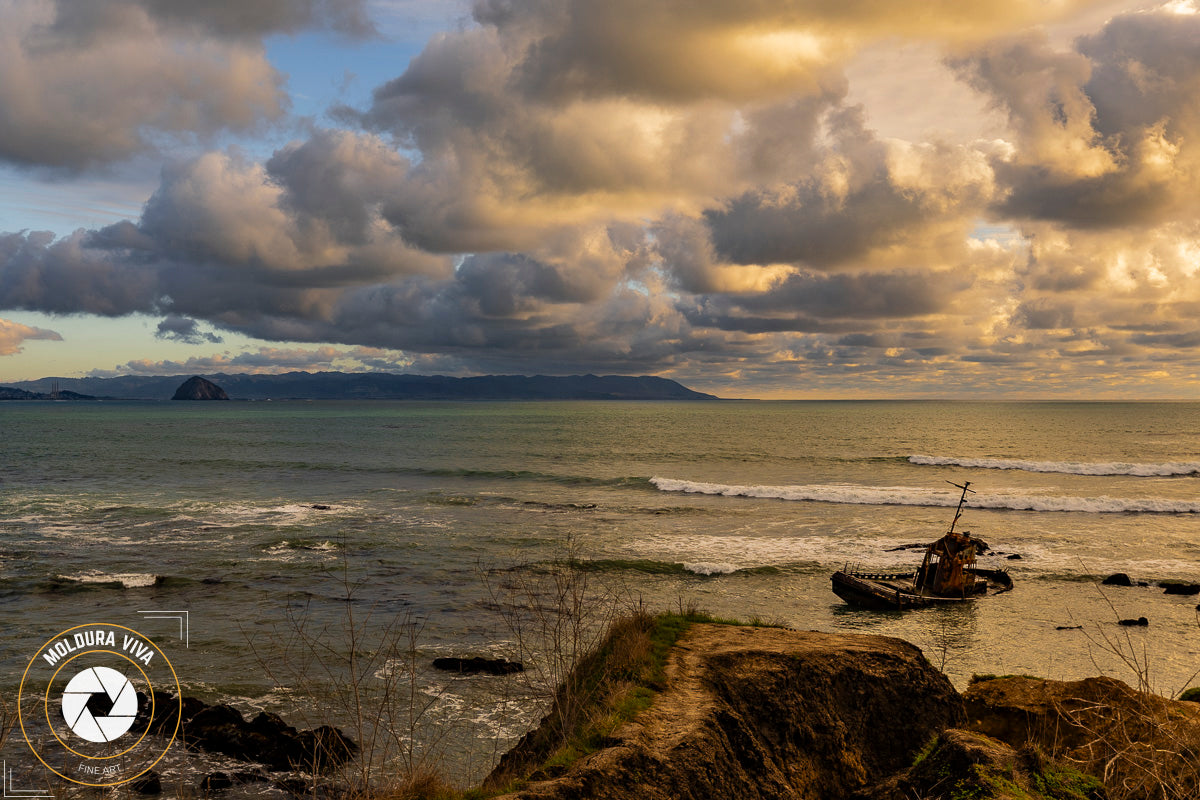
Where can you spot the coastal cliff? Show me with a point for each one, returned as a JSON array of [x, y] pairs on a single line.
[[771, 713], [762, 713]]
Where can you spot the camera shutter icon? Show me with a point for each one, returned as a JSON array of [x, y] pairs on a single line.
[[99, 704]]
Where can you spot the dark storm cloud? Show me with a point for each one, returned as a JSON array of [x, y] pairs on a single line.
[[65, 276], [1044, 314], [186, 330], [859, 202], [807, 302]]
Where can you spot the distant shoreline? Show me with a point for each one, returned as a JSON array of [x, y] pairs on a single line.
[[365, 386]]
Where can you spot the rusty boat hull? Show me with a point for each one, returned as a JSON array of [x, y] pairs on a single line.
[[894, 591]]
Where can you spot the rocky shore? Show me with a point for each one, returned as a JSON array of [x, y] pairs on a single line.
[[760, 713]]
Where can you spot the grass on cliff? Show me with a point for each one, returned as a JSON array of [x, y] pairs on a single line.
[[608, 686]]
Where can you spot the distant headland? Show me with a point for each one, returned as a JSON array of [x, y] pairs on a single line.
[[365, 386]]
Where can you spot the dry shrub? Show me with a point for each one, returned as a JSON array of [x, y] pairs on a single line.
[[1143, 746]]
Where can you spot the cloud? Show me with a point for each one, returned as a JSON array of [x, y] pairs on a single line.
[[266, 360], [183, 329], [13, 335], [863, 196], [672, 51], [1107, 135], [567, 186], [86, 83]]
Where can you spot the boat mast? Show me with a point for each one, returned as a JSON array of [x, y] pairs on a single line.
[[961, 501]]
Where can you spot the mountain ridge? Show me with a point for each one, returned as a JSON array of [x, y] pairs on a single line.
[[383, 386]]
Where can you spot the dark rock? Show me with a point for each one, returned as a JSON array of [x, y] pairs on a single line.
[[216, 782], [147, 784], [1139, 622], [1014, 557], [1117, 579], [477, 664], [266, 739], [1069, 628], [320, 507], [197, 388], [1180, 588], [249, 777]]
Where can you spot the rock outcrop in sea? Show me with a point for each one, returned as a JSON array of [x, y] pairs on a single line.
[[197, 388]]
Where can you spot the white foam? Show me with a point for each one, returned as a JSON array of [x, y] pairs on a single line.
[[1166, 469], [709, 567], [910, 496], [130, 580]]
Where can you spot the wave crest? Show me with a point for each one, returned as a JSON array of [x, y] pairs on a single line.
[[910, 496], [1163, 470]]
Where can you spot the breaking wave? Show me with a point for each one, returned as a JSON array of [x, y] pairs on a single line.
[[1167, 469], [909, 496]]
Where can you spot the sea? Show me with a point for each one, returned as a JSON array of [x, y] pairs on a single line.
[[281, 552]]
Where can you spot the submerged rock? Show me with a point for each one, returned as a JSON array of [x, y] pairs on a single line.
[[148, 784], [197, 388], [477, 664]]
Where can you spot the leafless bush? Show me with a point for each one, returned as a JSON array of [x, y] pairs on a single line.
[[1142, 744], [556, 615]]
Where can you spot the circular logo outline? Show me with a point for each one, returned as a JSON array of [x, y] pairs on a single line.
[[150, 686]]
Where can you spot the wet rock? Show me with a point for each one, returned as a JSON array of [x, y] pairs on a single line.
[[148, 784], [478, 664], [216, 782], [266, 739], [1117, 579], [1139, 622]]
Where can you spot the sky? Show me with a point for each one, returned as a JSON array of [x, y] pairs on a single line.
[[767, 198]]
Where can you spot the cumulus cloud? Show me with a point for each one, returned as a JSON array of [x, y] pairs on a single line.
[[13, 335], [85, 83], [1107, 134]]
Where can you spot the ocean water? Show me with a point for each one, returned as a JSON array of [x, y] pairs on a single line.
[[264, 521]]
